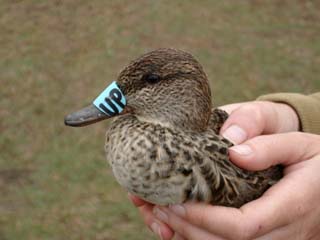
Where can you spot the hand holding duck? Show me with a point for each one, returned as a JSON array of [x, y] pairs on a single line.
[[289, 210]]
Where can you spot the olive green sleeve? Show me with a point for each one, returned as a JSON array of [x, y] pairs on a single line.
[[306, 106]]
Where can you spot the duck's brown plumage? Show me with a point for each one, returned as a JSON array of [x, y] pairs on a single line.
[[167, 148]]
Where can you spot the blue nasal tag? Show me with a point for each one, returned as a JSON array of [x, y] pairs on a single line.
[[111, 101]]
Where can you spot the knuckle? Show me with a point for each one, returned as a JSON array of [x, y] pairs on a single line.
[[254, 111], [246, 231], [258, 113]]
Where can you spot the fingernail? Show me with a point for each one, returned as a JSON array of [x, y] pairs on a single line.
[[178, 209], [161, 215], [242, 149], [235, 134], [156, 229]]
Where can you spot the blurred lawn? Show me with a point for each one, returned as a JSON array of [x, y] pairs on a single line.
[[55, 56]]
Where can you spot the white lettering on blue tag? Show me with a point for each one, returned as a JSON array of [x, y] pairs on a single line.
[[111, 101]]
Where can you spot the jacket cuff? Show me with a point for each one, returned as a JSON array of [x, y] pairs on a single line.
[[307, 108]]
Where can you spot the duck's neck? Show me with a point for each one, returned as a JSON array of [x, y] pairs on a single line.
[[172, 123], [165, 124]]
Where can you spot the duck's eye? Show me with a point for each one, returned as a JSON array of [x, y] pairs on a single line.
[[151, 78]]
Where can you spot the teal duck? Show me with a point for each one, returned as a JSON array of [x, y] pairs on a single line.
[[164, 144]]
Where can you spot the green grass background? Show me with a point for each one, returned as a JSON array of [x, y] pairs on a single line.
[[56, 56]]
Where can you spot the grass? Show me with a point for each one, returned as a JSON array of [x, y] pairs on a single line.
[[55, 57]]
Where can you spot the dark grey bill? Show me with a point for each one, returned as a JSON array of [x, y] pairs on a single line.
[[85, 116]]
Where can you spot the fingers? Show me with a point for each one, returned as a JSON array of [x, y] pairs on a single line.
[[190, 217], [287, 232], [145, 209], [231, 107], [138, 202], [251, 119], [288, 201], [159, 228], [276, 209], [182, 227], [264, 151]]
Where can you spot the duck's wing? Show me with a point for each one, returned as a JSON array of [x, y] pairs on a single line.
[[217, 119]]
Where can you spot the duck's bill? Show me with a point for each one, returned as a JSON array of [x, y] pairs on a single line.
[[109, 103], [85, 116]]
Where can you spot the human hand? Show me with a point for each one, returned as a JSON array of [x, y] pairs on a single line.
[[246, 120], [249, 119]]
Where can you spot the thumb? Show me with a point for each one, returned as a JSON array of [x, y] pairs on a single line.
[[251, 119], [265, 151]]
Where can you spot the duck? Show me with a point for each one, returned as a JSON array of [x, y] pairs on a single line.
[[163, 144]]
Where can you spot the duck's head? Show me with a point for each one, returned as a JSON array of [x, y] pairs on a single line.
[[165, 86]]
